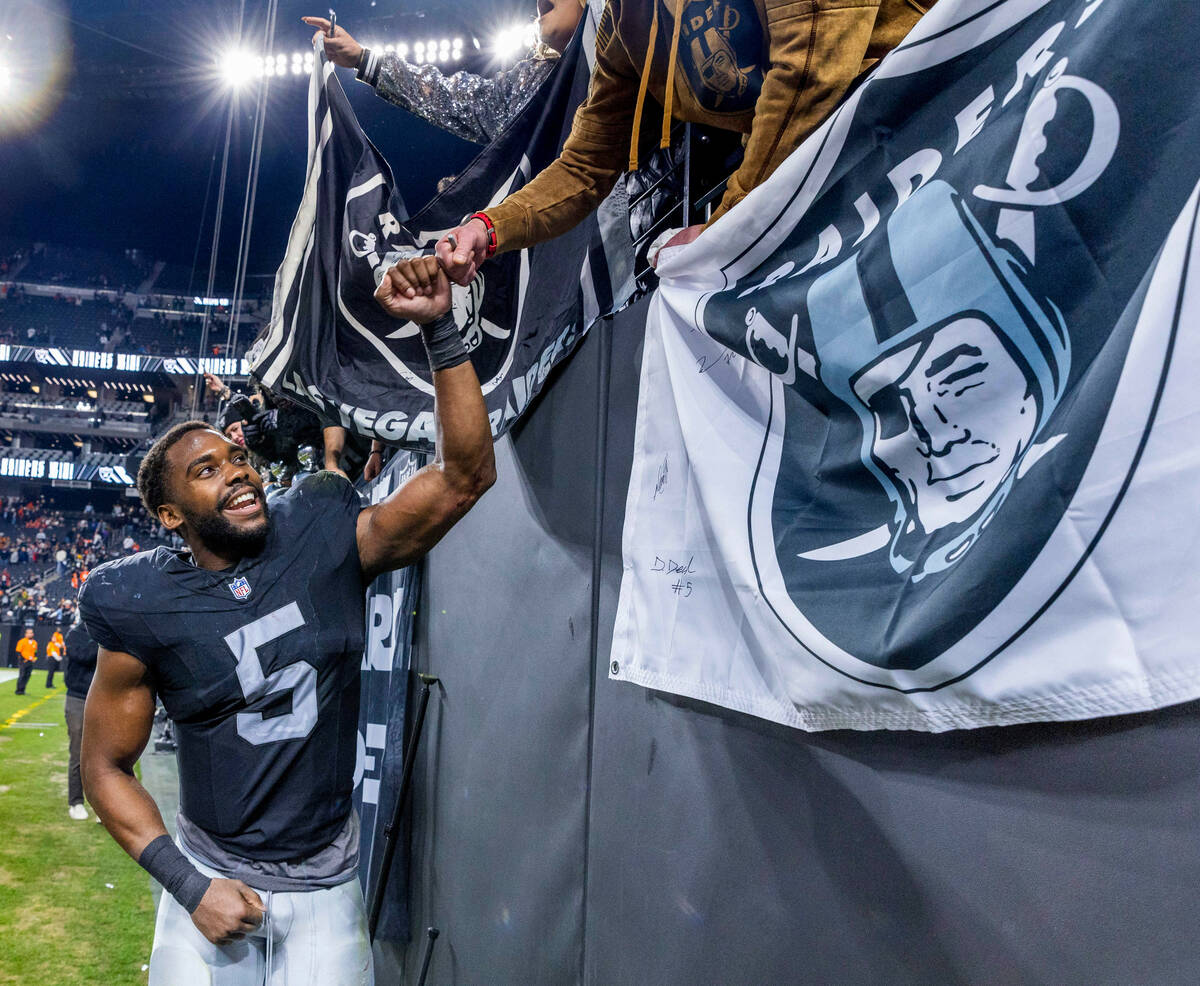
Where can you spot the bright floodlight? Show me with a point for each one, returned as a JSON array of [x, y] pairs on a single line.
[[236, 68], [514, 41]]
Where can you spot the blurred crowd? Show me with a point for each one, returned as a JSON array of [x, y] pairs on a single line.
[[46, 553]]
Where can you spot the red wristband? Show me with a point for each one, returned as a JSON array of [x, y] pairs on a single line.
[[491, 231]]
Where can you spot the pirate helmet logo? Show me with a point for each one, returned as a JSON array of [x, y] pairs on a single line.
[[719, 79], [954, 392], [465, 307]]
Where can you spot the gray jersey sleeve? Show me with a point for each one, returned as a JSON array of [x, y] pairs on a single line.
[[474, 107]]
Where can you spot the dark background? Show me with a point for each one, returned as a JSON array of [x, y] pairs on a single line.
[[128, 148]]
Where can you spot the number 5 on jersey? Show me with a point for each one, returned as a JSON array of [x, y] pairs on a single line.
[[300, 677]]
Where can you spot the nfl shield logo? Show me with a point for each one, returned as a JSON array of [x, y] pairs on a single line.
[[240, 587]]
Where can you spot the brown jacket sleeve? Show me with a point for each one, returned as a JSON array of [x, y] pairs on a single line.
[[595, 154], [817, 48]]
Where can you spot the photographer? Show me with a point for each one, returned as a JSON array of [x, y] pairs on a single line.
[[272, 428]]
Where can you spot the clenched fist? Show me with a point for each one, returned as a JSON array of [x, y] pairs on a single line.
[[416, 289], [227, 911]]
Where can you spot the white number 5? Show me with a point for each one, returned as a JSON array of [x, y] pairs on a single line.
[[300, 677]]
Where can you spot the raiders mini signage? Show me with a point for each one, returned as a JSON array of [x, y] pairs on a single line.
[[382, 719], [928, 463], [329, 345]]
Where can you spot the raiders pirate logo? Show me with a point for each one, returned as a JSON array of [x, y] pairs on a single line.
[[481, 309], [722, 50], [946, 363]]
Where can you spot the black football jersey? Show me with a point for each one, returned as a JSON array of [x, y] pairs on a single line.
[[258, 666]]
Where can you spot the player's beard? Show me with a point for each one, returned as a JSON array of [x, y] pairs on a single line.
[[227, 540]]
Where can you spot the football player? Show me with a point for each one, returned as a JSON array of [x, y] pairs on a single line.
[[252, 636]]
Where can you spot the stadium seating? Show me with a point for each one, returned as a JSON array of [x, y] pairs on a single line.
[[76, 323], [60, 321], [87, 268]]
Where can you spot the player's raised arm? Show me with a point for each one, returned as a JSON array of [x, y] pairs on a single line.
[[116, 727], [412, 520]]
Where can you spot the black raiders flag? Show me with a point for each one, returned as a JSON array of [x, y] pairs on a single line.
[[331, 348]]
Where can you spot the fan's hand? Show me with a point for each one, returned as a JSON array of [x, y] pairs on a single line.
[[340, 48], [463, 250]]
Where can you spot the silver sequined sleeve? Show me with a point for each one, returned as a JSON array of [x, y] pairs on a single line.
[[474, 107]]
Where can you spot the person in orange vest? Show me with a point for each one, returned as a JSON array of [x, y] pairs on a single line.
[[27, 648], [54, 651]]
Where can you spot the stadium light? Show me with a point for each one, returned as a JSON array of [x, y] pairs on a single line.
[[237, 67], [512, 42]]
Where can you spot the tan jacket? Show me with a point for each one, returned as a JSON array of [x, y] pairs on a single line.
[[771, 69]]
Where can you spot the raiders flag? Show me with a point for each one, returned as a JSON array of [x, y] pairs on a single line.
[[332, 349], [382, 717], [915, 441]]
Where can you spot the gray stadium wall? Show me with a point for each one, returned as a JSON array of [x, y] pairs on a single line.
[[568, 829]]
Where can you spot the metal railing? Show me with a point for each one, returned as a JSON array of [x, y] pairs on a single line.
[[686, 195]]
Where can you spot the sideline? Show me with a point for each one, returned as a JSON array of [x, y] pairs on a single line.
[[20, 713]]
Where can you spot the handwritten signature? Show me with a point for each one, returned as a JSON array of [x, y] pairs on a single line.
[[706, 363], [662, 479], [672, 567]]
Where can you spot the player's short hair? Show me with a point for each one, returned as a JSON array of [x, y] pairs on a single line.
[[152, 473]]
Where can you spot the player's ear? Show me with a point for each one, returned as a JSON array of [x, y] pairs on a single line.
[[169, 517]]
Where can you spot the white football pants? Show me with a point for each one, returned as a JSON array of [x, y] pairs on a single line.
[[314, 938]]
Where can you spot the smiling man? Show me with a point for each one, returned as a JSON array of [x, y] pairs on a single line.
[[252, 637]]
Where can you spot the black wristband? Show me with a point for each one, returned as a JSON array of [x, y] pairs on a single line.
[[163, 861], [443, 343]]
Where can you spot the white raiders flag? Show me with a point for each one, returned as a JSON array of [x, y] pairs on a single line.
[[916, 441], [332, 349]]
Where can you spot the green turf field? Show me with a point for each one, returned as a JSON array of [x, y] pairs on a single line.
[[74, 909]]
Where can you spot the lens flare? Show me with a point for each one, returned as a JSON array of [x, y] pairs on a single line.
[[35, 60], [236, 67]]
